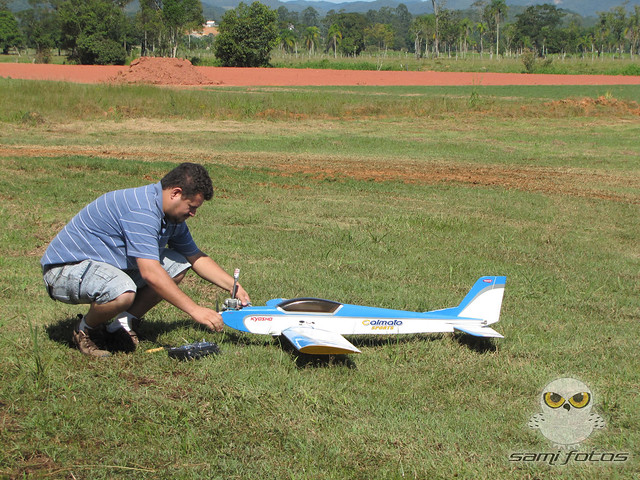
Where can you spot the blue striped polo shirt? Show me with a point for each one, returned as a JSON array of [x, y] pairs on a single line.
[[119, 227]]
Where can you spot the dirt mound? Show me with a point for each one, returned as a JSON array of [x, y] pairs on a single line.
[[162, 71], [591, 105]]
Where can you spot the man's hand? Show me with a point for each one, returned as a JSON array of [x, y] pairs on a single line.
[[208, 269], [243, 296], [209, 318]]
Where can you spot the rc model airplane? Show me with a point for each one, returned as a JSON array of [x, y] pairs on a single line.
[[316, 326]]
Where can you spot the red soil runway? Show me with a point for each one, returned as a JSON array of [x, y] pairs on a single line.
[[225, 76]]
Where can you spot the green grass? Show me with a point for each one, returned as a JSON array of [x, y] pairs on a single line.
[[471, 62], [22, 102], [30, 57], [423, 406]]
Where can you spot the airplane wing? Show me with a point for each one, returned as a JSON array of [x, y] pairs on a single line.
[[478, 331], [307, 339]]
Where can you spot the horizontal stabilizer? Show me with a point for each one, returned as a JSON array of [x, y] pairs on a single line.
[[478, 331], [311, 340]]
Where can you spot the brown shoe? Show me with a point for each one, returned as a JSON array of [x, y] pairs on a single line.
[[86, 342], [121, 339]]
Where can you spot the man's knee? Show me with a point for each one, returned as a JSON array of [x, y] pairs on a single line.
[[123, 301], [178, 278], [89, 282]]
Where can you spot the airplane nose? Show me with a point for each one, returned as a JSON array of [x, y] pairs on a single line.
[[567, 407]]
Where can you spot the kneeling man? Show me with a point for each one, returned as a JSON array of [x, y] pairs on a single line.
[[128, 250]]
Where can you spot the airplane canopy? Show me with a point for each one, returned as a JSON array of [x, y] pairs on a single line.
[[312, 305]]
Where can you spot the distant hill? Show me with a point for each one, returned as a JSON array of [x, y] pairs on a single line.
[[585, 8], [214, 9]]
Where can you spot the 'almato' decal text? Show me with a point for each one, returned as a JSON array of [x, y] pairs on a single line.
[[382, 324]]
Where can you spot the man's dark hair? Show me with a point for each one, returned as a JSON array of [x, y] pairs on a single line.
[[192, 178]]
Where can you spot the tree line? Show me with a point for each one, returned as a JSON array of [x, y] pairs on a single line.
[[101, 32]]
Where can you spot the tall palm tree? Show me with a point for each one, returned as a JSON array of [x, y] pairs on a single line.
[[481, 27], [436, 12], [633, 31], [498, 8], [288, 40], [465, 26], [335, 34], [311, 37]]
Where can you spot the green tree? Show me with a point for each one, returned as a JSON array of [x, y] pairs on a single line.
[[451, 29], [634, 30], [587, 41], [179, 17], [508, 34], [465, 29], [311, 38], [149, 23], [539, 27], [351, 26], [247, 35], [126, 24], [616, 24], [92, 31], [401, 25], [41, 28], [497, 9], [379, 34], [335, 34], [571, 36], [422, 28], [436, 37], [286, 18], [310, 17], [9, 32], [481, 28], [288, 40], [620, 26]]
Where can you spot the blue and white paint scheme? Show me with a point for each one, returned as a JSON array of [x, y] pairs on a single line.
[[317, 326]]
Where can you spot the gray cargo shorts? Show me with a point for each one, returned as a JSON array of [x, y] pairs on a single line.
[[91, 281]]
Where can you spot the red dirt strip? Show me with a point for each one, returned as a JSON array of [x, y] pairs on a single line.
[[226, 76]]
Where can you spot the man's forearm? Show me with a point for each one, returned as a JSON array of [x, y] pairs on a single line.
[[207, 268], [160, 281]]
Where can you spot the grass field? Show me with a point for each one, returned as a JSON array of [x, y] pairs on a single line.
[[392, 197], [470, 62]]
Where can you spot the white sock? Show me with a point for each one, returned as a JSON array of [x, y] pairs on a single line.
[[83, 327], [121, 321]]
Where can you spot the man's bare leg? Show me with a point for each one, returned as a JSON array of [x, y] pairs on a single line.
[[86, 336], [102, 313], [126, 321], [147, 298]]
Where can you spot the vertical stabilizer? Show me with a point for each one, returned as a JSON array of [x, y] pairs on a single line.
[[483, 301]]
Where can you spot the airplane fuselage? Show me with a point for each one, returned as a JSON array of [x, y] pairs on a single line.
[[347, 320]]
